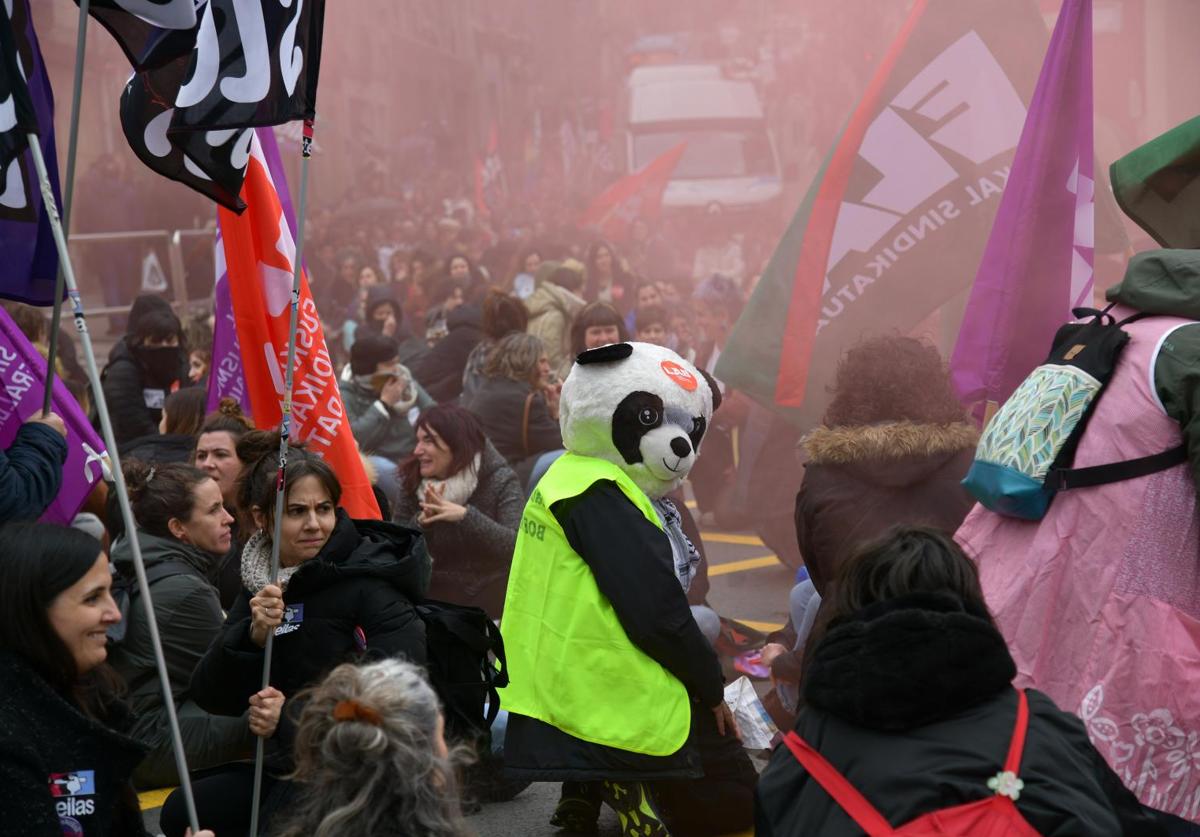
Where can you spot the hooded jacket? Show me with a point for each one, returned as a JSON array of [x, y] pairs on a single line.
[[471, 558], [134, 401], [411, 347], [381, 429], [189, 617], [552, 309], [62, 772], [441, 371], [1167, 282], [911, 700], [368, 576]]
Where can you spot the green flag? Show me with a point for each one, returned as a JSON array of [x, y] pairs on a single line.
[[1158, 186]]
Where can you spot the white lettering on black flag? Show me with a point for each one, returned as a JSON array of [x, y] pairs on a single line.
[[149, 32]]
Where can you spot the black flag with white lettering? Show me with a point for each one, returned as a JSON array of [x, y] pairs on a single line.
[[211, 162], [17, 117], [149, 32], [255, 64]]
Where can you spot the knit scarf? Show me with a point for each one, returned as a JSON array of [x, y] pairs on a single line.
[[456, 488], [256, 565]]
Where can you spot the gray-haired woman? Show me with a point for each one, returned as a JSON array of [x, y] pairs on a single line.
[[371, 757]]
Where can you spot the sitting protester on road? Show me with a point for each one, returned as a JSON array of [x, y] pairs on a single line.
[[503, 314], [466, 500], [175, 438], [908, 694], [183, 530], [217, 454], [346, 588], [371, 757], [66, 754]]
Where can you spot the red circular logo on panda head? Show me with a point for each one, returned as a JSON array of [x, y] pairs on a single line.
[[679, 375]]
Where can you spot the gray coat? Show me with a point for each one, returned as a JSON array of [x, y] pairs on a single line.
[[471, 558], [378, 428]]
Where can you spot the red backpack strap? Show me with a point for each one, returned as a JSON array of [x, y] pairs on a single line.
[[835, 784], [1017, 746]]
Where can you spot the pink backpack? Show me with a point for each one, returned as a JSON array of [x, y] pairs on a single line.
[[995, 816]]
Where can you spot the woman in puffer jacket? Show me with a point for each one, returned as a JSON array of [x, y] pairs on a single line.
[[908, 695]]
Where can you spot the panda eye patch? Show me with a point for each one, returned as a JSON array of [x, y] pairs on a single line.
[[648, 417]]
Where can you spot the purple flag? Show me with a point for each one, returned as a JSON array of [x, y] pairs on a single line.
[[225, 377], [1038, 262], [28, 257], [22, 381]]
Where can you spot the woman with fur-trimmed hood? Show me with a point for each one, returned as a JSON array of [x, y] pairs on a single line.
[[893, 449]]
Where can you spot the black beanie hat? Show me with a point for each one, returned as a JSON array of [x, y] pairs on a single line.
[[370, 350]]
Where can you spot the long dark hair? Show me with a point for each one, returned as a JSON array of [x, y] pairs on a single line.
[[459, 429], [184, 409], [38, 562], [620, 276]]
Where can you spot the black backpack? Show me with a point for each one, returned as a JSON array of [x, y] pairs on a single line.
[[125, 589], [466, 665]]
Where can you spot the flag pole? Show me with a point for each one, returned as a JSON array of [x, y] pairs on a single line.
[[284, 430], [68, 194], [67, 274]]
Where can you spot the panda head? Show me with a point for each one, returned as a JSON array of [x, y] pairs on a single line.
[[641, 407]]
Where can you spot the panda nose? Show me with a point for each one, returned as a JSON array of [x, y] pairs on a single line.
[[681, 446]]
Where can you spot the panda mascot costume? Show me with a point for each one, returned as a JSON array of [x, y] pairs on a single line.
[[613, 688]]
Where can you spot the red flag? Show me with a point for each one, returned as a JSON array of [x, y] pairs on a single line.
[[635, 195], [259, 254]]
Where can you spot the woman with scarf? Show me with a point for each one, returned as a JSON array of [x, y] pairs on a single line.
[[345, 590], [467, 501]]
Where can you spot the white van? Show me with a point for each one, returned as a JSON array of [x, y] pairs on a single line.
[[730, 162]]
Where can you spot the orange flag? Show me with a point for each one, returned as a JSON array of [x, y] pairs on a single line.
[[635, 195], [260, 253]]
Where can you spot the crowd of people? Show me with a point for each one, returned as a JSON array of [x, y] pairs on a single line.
[[452, 352]]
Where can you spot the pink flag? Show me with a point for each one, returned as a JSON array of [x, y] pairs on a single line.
[[1038, 262]]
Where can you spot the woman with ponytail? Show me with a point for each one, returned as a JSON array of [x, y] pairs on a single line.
[[371, 757], [183, 530]]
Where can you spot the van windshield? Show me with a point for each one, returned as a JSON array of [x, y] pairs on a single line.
[[710, 153]]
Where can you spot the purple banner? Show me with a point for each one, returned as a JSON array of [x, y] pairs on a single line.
[[1039, 256], [225, 377], [27, 251], [22, 382]]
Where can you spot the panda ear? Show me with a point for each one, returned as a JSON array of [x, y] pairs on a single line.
[[712, 385], [605, 354]]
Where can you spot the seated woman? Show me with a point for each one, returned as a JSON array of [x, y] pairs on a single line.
[[371, 757], [66, 754], [908, 694], [182, 415], [217, 454], [345, 589], [183, 530], [598, 324], [466, 500], [503, 314], [516, 404]]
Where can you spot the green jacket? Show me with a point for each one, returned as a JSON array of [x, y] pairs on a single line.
[[1167, 282]]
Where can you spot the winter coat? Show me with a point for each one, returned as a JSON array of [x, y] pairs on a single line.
[[134, 404], [499, 404], [912, 701], [189, 617], [860, 481], [441, 371], [159, 449], [367, 576], [552, 309], [379, 428], [471, 558], [31, 472], [62, 772]]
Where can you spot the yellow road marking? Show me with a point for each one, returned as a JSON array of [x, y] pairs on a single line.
[[155, 798], [724, 537], [741, 566], [691, 504], [765, 627]]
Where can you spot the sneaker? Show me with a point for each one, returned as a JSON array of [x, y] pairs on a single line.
[[578, 816], [634, 810]]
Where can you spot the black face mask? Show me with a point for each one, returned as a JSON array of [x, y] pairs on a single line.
[[162, 363]]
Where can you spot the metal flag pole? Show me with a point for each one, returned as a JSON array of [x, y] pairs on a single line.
[[67, 273], [285, 426], [68, 194]]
